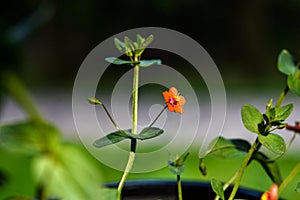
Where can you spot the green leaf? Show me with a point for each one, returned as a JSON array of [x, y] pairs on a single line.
[[225, 148], [297, 189], [140, 40], [284, 112], [294, 82], [70, 173], [120, 45], [271, 113], [147, 133], [147, 63], [271, 168], [286, 63], [273, 142], [29, 136], [112, 138], [147, 41], [118, 61], [176, 164], [251, 117], [129, 46], [218, 188], [176, 169]]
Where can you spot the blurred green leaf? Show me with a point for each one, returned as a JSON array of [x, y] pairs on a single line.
[[112, 138], [29, 136], [271, 168], [147, 63], [294, 82], [69, 173], [109, 193], [18, 197], [251, 117], [284, 112], [273, 142], [229, 148], [120, 45], [286, 63], [218, 188], [118, 61], [297, 189]]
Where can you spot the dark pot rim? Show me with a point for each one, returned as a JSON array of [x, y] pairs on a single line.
[[145, 184]]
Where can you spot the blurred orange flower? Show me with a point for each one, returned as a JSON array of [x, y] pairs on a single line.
[[272, 195], [174, 101]]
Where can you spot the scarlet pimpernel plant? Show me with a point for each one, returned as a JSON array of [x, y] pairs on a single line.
[[174, 102], [263, 124]]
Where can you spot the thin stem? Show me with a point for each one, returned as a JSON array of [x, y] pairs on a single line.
[[157, 116], [288, 179], [110, 117], [243, 168], [282, 97], [179, 187], [135, 99]]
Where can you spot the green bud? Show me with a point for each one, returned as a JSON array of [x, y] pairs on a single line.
[[94, 101]]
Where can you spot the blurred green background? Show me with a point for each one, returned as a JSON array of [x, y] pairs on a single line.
[[45, 42]]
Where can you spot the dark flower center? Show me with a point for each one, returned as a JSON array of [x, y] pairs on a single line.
[[173, 101]]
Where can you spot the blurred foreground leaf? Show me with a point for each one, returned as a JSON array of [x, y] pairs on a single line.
[[29, 136], [69, 174]]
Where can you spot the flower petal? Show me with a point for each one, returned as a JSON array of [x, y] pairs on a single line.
[[173, 91], [182, 100], [178, 109]]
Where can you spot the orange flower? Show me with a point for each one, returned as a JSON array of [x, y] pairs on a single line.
[[272, 195], [173, 100]]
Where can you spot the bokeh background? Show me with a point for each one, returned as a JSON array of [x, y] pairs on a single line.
[[243, 37]]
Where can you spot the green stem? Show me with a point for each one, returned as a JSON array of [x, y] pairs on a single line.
[[135, 99], [288, 179], [15, 88], [179, 187], [243, 168], [282, 97], [134, 129], [128, 167]]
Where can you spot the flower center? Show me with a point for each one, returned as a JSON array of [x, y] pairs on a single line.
[[173, 101]]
